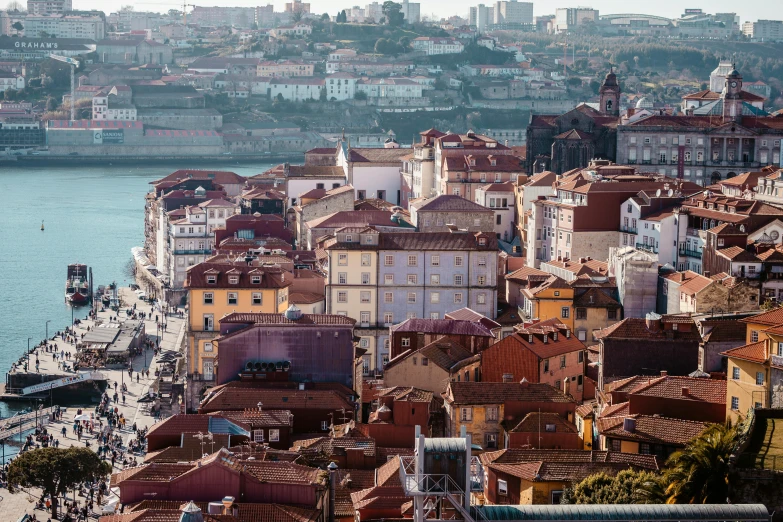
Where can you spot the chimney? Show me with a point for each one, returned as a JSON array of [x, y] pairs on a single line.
[[686, 392], [523, 383], [629, 424], [707, 273], [228, 503], [664, 373], [332, 467], [653, 321]]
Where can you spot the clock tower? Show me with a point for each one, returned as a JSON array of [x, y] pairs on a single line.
[[732, 96]]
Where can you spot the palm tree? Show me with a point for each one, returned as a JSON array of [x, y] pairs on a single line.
[[699, 473]]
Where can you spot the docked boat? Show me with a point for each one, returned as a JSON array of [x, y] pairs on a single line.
[[77, 284]]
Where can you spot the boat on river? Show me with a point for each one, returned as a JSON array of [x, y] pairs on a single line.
[[78, 286]]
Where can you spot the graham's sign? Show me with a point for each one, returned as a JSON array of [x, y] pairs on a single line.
[[36, 45]]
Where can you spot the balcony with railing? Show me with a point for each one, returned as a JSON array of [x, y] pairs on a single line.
[[687, 252], [204, 252], [628, 229], [647, 248]]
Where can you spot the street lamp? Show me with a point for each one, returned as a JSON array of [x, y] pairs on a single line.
[[47, 330], [28, 353]]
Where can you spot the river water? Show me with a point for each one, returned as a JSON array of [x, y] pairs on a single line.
[[92, 215]]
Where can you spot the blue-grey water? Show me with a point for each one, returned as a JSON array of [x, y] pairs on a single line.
[[92, 215]]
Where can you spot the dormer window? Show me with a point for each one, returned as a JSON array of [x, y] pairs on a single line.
[[482, 241], [348, 238], [211, 279], [233, 280], [256, 280], [530, 338], [472, 162], [554, 336]]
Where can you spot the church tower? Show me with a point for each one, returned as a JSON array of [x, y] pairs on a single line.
[[610, 95], [732, 96]]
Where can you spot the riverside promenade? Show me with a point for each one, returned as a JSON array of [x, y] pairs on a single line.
[[14, 506]]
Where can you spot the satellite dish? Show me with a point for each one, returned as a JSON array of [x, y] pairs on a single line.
[[658, 193]]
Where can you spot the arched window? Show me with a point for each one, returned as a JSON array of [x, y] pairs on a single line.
[[608, 105]]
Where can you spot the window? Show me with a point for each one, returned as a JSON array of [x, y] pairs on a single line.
[[342, 278], [458, 298], [211, 279], [258, 435], [257, 298], [435, 297], [492, 414], [616, 445], [735, 403], [388, 318], [411, 297], [425, 361], [364, 297], [481, 298], [490, 440], [342, 259], [502, 487], [759, 378], [754, 336], [581, 313], [482, 261], [233, 280], [581, 335], [580, 357], [555, 497], [546, 365], [342, 297], [324, 425], [562, 361], [207, 347], [735, 373], [435, 260], [481, 280], [466, 414], [274, 435], [406, 341], [611, 314], [388, 297], [365, 365], [256, 280], [388, 279], [564, 311], [388, 260], [209, 322], [435, 279], [232, 298], [365, 278], [413, 279], [208, 298], [458, 280], [413, 260], [457, 260], [366, 260]]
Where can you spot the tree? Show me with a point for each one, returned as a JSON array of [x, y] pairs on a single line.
[[405, 44], [55, 470], [296, 17], [18, 26], [393, 13], [51, 103], [360, 96], [15, 6], [325, 17], [174, 13], [342, 17], [699, 473], [595, 86], [627, 487]]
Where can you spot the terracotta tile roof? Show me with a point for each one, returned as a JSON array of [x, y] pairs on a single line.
[[585, 410], [737, 254], [329, 446], [305, 297], [384, 454], [177, 424], [552, 282], [357, 218], [565, 456], [702, 95], [376, 155], [620, 409], [246, 511], [388, 474], [723, 330], [482, 163], [218, 176], [282, 472], [649, 428], [628, 384], [672, 387], [281, 320], [380, 497], [582, 266], [242, 399], [771, 318], [253, 418], [636, 328], [271, 276], [552, 347], [451, 203], [559, 471], [467, 314], [595, 298], [508, 186], [542, 179], [524, 274], [407, 394], [754, 352], [462, 392], [350, 481], [443, 327], [413, 241], [532, 422], [190, 451]]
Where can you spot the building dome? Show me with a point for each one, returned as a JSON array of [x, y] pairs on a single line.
[[644, 103], [611, 79], [734, 73], [191, 513]]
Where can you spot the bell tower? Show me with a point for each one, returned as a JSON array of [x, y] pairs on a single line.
[[609, 95], [732, 96]]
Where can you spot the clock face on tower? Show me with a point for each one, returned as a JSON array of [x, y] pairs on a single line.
[[733, 84]]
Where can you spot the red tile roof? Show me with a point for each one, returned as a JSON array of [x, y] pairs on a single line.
[[443, 327], [771, 318], [222, 269], [451, 203], [672, 387], [248, 398], [632, 328], [653, 429], [532, 422], [462, 392], [754, 352]]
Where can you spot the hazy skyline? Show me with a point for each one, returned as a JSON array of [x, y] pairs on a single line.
[[751, 10]]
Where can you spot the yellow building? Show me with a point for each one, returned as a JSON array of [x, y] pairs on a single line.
[[553, 298], [748, 378], [584, 417], [218, 287]]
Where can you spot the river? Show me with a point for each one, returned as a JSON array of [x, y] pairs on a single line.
[[92, 215]]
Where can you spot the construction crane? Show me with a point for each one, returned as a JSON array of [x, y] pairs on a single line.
[[74, 64], [185, 13]]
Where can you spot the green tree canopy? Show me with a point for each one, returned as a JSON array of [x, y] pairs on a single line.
[[393, 13], [699, 473], [55, 470], [627, 487]]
